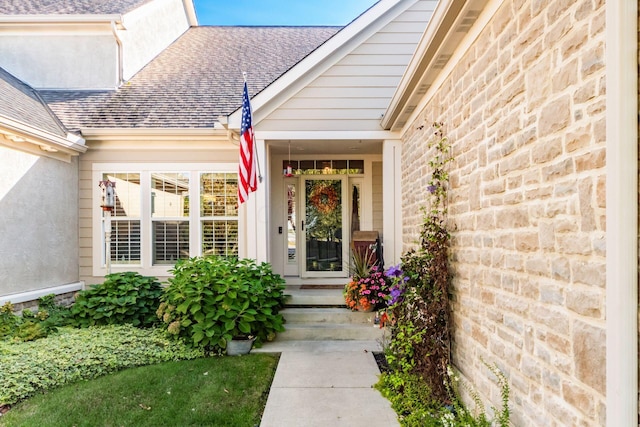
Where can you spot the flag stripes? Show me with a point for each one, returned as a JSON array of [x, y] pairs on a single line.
[[247, 168]]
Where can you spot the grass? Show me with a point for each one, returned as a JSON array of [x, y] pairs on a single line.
[[219, 391]]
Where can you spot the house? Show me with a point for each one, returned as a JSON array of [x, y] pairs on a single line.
[[543, 196]]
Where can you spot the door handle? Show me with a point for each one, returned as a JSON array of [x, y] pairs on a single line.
[[302, 225]]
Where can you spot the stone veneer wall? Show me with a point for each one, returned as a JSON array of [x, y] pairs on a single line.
[[525, 111]]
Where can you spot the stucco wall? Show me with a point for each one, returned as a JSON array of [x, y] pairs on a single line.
[[86, 55], [524, 109], [61, 58], [150, 29], [39, 222]]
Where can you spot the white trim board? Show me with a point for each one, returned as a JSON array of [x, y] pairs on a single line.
[[34, 295]]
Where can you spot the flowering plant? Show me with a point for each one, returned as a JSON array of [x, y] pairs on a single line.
[[397, 284], [365, 293]]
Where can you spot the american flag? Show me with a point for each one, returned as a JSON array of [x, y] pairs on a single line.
[[247, 169]]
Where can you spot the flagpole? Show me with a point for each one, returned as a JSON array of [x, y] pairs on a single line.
[[257, 162]]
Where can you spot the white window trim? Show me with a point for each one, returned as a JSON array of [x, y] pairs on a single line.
[[145, 267]]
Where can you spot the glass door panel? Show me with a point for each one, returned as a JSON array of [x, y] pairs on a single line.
[[291, 242], [324, 224]]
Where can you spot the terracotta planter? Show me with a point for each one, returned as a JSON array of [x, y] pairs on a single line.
[[365, 310]]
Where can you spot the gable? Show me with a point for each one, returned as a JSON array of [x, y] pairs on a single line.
[[349, 87]]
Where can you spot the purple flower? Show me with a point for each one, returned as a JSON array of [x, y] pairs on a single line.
[[432, 189], [394, 271], [395, 296]]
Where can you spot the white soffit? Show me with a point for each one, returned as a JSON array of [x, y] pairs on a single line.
[[449, 25]]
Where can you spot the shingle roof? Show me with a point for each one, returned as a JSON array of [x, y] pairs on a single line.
[[68, 7], [21, 103], [195, 80]]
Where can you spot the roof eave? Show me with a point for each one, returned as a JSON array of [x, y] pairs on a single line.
[[19, 133], [208, 133], [60, 19], [449, 24]]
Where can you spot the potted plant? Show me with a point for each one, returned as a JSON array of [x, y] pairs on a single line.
[[367, 293], [362, 259], [213, 301], [368, 286]]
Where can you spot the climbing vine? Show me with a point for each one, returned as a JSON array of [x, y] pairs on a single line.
[[421, 384], [424, 306]]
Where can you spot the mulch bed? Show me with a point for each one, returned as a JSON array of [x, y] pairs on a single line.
[[381, 360]]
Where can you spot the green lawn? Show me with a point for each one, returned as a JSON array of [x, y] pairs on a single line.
[[218, 391]]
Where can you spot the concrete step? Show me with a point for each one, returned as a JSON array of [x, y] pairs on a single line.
[[330, 331], [314, 297], [321, 315], [326, 315]]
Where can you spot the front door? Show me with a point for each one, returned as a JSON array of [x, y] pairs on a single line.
[[325, 229]]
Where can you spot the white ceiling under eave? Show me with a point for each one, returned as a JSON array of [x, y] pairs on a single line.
[[449, 25]]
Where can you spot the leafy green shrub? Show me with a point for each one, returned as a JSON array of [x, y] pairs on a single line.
[[211, 300], [80, 354], [54, 314], [8, 321], [417, 405], [411, 398], [30, 325], [122, 298]]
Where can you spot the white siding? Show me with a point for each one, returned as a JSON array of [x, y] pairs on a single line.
[[354, 92], [376, 196]]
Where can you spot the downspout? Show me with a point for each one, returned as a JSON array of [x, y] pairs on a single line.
[[114, 30], [622, 213]]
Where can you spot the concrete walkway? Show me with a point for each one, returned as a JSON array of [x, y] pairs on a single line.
[[326, 384]]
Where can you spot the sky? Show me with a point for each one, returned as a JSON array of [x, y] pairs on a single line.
[[280, 12]]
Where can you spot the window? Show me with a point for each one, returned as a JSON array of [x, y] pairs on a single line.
[[163, 215], [170, 217], [125, 223], [324, 167], [219, 213]]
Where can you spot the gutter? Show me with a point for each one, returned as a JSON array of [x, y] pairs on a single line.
[[114, 30], [190, 10], [20, 132], [58, 19]]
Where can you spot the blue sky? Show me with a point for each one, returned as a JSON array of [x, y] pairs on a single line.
[[279, 12]]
